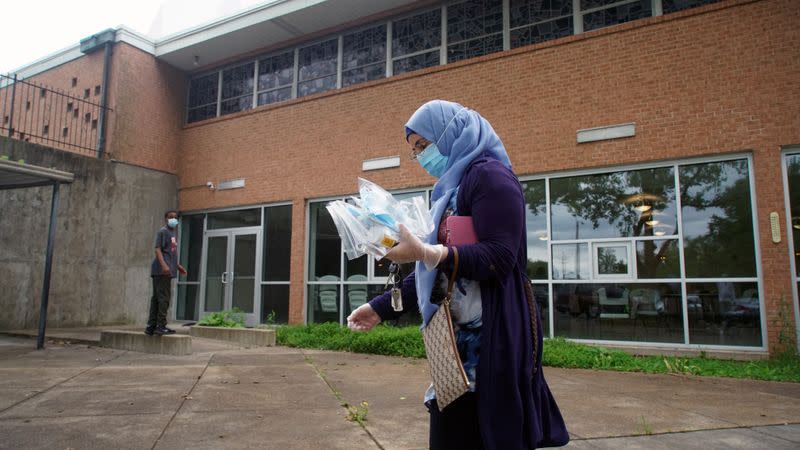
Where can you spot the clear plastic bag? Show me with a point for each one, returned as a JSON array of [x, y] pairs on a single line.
[[369, 224]]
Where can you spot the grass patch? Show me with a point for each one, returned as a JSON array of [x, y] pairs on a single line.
[[558, 352]]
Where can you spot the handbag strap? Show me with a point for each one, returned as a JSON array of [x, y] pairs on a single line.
[[452, 279]]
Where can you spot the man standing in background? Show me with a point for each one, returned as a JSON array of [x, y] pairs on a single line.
[[164, 268]]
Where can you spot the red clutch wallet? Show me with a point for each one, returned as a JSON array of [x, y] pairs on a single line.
[[458, 230]]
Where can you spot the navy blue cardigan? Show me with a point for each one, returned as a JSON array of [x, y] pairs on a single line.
[[515, 407]]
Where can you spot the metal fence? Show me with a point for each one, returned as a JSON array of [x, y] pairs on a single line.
[[35, 113]]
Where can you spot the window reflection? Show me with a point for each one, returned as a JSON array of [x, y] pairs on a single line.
[[658, 259], [617, 204], [619, 311], [717, 220], [325, 250], [571, 262], [724, 313], [793, 174], [536, 220]]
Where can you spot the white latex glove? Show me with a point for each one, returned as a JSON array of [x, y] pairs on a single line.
[[411, 249], [363, 318]]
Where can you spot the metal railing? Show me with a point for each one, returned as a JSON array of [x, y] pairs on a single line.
[[35, 113]]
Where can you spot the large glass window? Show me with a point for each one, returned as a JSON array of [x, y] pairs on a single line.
[[618, 204], [534, 21], [237, 89], [317, 68], [364, 55], [474, 28], [416, 41], [275, 78], [622, 254], [724, 313], [336, 284], [536, 219], [650, 312], [717, 220]]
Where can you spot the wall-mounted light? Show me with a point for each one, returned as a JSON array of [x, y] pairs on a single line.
[[196, 61]]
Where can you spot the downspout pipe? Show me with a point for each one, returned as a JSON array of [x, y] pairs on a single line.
[[105, 40], [101, 127]]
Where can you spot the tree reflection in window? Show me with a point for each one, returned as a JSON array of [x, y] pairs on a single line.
[[618, 204], [717, 220], [536, 220]]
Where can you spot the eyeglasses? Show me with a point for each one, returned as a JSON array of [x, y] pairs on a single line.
[[419, 147]]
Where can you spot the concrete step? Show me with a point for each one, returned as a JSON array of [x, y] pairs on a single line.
[[137, 341], [246, 337]]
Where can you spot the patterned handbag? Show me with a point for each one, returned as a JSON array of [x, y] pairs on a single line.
[[449, 378]]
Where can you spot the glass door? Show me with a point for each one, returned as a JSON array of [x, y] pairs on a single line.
[[231, 267]]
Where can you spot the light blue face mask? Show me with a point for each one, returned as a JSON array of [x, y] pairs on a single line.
[[172, 223], [432, 161]]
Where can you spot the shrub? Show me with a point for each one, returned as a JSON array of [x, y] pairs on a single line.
[[226, 319]]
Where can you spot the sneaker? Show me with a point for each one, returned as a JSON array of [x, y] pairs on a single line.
[[170, 330], [148, 331], [160, 332]]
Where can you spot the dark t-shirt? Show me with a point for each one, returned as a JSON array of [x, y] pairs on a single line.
[[168, 243]]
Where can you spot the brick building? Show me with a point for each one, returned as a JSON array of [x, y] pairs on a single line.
[[654, 140]]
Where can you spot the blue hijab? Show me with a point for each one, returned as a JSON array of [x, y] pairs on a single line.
[[462, 135]]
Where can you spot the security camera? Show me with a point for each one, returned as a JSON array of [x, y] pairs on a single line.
[[210, 184]]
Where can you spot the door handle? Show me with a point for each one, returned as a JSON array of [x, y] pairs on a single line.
[[224, 277]]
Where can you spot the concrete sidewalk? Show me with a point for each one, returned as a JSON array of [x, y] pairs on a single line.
[[81, 396]]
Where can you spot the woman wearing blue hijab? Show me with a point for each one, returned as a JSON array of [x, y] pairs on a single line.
[[499, 332]]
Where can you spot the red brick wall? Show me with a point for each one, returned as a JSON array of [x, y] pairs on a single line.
[[88, 72], [148, 101], [147, 97], [711, 80]]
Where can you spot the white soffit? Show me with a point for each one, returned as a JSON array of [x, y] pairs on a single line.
[[264, 26]]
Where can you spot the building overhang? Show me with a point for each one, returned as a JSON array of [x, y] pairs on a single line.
[[263, 26]]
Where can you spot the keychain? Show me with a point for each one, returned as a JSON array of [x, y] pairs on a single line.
[[394, 278]]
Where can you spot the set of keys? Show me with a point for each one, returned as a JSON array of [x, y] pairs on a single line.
[[394, 280]]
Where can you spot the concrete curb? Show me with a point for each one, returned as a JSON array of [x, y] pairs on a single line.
[[246, 337], [140, 342]]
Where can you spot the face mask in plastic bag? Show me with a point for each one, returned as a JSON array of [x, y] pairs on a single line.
[[369, 224]]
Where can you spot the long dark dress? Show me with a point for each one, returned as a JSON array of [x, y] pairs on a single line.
[[515, 407]]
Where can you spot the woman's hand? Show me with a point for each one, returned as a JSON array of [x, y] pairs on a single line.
[[411, 249], [363, 318]]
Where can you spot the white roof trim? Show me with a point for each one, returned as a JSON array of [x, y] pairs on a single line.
[[63, 56], [258, 14]]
